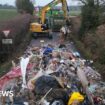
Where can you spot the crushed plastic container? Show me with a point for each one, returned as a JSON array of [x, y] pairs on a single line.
[[76, 96]]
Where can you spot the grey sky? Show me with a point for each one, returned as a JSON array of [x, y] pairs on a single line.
[[38, 2]]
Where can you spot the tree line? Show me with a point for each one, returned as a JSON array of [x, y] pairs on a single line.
[[93, 14], [25, 6], [6, 6]]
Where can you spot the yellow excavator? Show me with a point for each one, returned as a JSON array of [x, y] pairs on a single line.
[[43, 26]]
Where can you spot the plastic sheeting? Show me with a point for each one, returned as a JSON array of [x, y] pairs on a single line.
[[23, 64], [44, 83], [76, 96], [14, 73]]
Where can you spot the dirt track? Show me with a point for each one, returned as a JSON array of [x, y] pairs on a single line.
[[36, 42]]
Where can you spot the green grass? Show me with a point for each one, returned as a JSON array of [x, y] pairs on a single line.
[[6, 14], [5, 68]]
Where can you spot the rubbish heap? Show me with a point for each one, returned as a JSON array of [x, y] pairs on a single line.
[[58, 76]]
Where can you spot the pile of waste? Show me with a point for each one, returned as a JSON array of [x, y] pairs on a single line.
[[53, 75]]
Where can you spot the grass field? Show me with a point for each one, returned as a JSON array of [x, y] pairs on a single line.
[[75, 13], [6, 14]]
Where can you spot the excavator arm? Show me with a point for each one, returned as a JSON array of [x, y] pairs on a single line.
[[65, 8], [51, 5]]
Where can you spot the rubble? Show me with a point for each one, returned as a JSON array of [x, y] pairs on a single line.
[[54, 76]]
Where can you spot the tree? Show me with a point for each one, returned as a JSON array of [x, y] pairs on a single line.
[[90, 15], [25, 6]]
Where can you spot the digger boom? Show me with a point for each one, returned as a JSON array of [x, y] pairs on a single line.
[[51, 5]]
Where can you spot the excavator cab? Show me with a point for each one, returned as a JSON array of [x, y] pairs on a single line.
[[46, 25], [39, 29]]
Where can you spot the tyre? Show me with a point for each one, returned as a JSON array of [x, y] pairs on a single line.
[[34, 35], [50, 36]]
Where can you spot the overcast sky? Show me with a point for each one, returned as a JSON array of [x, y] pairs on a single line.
[[38, 2]]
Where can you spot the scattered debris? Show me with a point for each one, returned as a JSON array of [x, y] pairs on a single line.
[[54, 76]]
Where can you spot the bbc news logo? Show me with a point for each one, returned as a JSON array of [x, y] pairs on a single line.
[[6, 93]]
